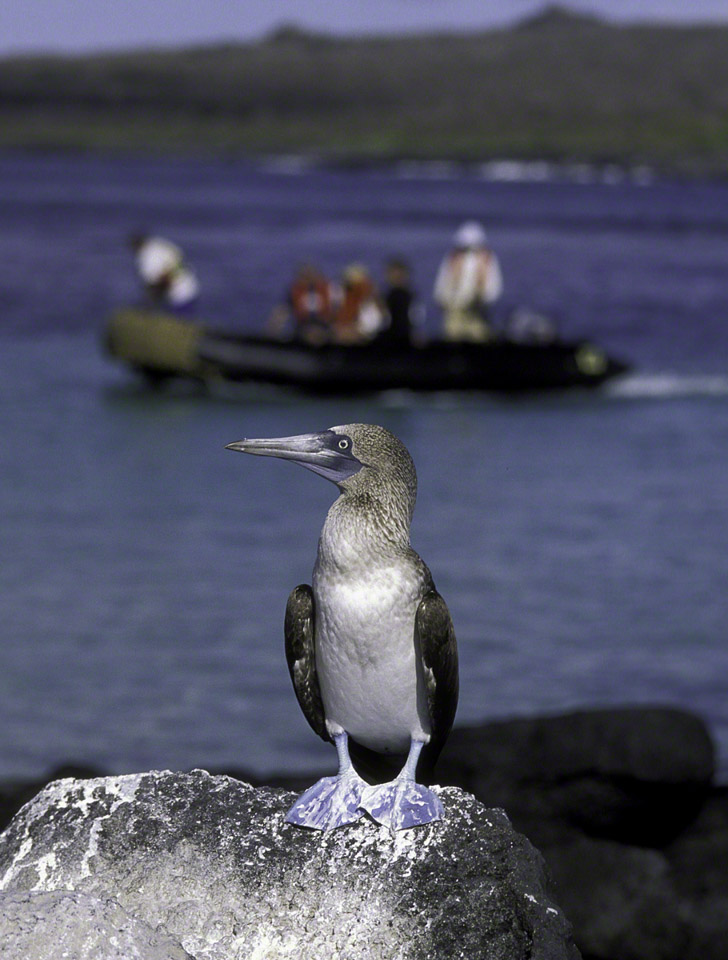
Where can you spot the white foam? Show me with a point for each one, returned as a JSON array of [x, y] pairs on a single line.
[[667, 385]]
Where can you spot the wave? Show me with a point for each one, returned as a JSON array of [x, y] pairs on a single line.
[[668, 385]]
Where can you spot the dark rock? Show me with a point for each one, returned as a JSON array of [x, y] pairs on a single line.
[[212, 863], [708, 929], [700, 855], [699, 860], [628, 902], [621, 900], [635, 775]]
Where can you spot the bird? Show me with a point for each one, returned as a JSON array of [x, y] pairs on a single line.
[[370, 644]]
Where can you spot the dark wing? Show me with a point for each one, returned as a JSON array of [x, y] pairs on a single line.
[[435, 637], [300, 655]]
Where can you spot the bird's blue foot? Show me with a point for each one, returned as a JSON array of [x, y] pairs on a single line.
[[401, 804], [329, 803]]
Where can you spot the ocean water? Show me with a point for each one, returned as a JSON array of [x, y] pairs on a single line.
[[580, 539]]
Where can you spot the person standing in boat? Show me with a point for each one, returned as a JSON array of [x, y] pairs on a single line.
[[468, 283], [361, 314], [399, 299], [167, 279], [309, 307]]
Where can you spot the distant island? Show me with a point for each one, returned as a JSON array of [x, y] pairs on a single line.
[[559, 86]]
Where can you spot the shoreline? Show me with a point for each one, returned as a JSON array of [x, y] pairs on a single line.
[[501, 170], [555, 89]]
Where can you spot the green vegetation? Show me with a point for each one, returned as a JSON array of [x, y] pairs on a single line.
[[558, 87]]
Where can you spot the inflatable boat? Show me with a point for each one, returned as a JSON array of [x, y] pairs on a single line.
[[161, 346]]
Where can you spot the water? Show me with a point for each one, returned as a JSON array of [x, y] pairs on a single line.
[[580, 540]]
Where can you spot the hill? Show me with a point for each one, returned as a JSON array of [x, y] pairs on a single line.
[[555, 87]]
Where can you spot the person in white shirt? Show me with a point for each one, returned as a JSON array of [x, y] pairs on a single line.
[[168, 280], [468, 283]]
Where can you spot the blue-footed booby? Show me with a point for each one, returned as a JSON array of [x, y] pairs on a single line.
[[370, 645]]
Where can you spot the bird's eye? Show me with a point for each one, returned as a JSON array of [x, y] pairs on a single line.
[[343, 444]]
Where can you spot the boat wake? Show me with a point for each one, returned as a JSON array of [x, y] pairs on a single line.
[[667, 385]]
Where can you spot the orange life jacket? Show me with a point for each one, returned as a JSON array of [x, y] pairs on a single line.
[[310, 300], [355, 296]]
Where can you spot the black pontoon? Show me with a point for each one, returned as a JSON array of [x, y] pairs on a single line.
[[161, 346]]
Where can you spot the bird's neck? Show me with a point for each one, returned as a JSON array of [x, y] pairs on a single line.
[[361, 530]]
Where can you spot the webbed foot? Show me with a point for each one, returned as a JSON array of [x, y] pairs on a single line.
[[401, 804], [329, 803]]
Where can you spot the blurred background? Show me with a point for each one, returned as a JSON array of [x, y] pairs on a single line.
[[579, 539]]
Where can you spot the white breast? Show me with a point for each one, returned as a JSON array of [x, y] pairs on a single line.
[[369, 673]]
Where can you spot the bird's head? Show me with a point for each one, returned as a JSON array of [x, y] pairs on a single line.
[[357, 457]]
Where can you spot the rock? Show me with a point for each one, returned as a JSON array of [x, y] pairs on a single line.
[[635, 775], [60, 923], [15, 793], [211, 862], [699, 859], [622, 901], [700, 855]]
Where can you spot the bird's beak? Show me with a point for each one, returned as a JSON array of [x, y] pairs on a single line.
[[302, 447], [315, 451]]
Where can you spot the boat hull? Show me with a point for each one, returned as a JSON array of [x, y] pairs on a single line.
[[163, 346]]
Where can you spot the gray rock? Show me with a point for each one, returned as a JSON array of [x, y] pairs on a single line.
[[635, 775], [60, 923], [211, 862]]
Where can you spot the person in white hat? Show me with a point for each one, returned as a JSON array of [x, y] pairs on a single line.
[[468, 283], [167, 279]]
